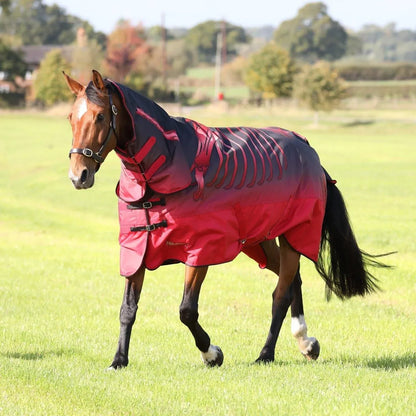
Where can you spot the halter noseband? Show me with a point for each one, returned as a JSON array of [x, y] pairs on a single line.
[[90, 153]]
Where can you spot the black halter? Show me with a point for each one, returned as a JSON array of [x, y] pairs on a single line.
[[90, 153]]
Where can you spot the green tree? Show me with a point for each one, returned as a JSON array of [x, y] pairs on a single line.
[[49, 84], [320, 88], [178, 57], [11, 63], [270, 72], [312, 35], [170, 55], [354, 45], [36, 23], [4, 5], [387, 43], [157, 33], [201, 40]]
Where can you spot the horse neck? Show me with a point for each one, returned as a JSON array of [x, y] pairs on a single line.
[[124, 127]]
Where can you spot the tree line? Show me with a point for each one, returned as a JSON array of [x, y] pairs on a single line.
[[147, 59]]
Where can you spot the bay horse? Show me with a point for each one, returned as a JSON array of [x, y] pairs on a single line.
[[201, 195]]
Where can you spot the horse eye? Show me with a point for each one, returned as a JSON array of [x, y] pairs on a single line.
[[100, 117]]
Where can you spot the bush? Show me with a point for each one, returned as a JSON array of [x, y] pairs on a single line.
[[270, 72], [233, 72], [320, 87]]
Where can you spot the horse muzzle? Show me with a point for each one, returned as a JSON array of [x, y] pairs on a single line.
[[84, 180]]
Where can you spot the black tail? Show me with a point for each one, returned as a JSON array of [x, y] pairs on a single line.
[[341, 263]]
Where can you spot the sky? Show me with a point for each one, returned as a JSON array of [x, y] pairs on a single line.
[[352, 14]]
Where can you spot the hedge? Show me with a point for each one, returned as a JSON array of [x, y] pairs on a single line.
[[12, 99], [377, 72]]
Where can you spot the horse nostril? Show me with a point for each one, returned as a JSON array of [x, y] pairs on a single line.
[[84, 175]]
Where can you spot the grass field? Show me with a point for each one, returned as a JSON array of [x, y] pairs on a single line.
[[60, 291]]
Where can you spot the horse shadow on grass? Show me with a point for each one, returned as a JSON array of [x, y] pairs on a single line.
[[394, 363], [358, 123], [383, 363], [38, 355]]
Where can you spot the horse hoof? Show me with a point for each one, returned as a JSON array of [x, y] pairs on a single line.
[[266, 356], [264, 360], [213, 357], [117, 364], [115, 367], [313, 350]]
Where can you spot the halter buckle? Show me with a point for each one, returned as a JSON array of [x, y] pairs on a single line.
[[87, 152]]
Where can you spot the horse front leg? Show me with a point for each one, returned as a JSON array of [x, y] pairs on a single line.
[[188, 312], [286, 265], [308, 346], [128, 311]]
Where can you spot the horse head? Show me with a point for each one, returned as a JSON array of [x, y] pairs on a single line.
[[93, 122]]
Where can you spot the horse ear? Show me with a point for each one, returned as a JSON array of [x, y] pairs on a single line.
[[73, 85], [97, 80]]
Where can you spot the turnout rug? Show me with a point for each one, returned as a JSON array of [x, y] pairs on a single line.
[[201, 195]]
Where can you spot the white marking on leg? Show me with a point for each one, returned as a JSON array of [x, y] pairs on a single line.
[[210, 355], [82, 109], [300, 332], [298, 326]]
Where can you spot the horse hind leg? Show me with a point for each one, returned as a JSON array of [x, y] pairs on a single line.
[[282, 295], [188, 311], [308, 346]]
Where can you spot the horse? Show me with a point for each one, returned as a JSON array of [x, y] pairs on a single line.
[[201, 195]]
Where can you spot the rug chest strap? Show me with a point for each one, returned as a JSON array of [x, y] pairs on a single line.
[[150, 227], [147, 204]]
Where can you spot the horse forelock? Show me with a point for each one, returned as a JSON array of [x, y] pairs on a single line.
[[95, 95]]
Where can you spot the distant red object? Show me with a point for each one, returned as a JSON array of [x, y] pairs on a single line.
[[220, 96]]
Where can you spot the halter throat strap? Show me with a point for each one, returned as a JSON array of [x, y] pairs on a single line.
[[97, 156]]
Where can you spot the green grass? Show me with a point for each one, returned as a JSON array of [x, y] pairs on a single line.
[[203, 80], [231, 94], [60, 292], [201, 72]]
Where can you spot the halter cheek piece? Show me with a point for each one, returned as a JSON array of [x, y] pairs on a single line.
[[90, 153]]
